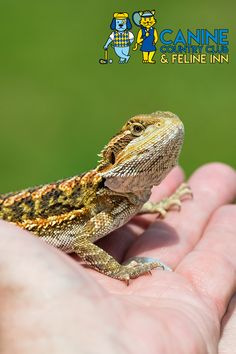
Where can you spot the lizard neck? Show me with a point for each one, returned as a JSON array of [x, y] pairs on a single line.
[[93, 186]]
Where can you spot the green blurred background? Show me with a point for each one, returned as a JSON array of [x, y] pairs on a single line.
[[58, 106]]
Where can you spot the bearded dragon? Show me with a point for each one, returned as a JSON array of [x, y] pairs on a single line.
[[73, 213]]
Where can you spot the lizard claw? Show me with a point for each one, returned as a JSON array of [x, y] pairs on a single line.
[[175, 200], [137, 266]]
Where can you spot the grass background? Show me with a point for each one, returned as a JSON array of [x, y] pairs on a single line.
[[58, 106]]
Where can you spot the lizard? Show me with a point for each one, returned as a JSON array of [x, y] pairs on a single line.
[[73, 213]]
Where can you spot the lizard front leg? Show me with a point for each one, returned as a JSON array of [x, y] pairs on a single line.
[[97, 258], [165, 204]]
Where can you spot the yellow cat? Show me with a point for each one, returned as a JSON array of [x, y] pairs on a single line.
[[147, 35]]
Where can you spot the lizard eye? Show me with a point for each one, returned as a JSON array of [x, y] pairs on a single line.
[[137, 129]]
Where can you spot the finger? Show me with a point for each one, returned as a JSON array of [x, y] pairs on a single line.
[[213, 185], [227, 343], [117, 243], [211, 265]]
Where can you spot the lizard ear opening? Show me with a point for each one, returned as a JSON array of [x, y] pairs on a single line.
[[109, 158], [112, 158]]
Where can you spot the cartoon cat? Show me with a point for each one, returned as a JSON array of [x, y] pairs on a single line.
[[147, 35]]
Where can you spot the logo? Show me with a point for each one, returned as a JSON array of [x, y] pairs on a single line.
[[198, 46]]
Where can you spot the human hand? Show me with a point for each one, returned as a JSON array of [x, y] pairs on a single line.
[[50, 303]]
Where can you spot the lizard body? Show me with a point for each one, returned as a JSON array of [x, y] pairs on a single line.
[[73, 213]]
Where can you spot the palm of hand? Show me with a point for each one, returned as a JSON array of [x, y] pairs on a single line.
[[170, 312]]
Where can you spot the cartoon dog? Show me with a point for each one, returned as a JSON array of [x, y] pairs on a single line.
[[121, 36], [147, 35]]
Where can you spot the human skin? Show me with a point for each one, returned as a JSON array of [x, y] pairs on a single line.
[[49, 303]]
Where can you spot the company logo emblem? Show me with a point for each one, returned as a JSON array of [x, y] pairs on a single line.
[[198, 46]]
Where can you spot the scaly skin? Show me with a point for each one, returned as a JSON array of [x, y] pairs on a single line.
[[72, 214]]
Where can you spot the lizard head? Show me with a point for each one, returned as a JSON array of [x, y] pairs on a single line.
[[142, 153]]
